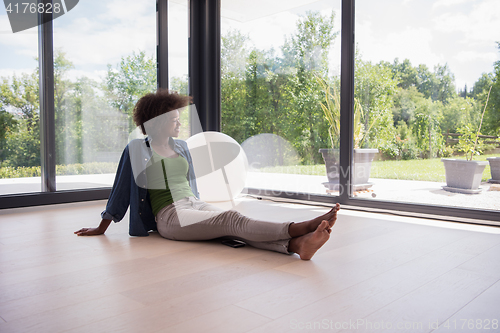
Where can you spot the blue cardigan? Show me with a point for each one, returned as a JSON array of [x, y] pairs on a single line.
[[130, 186]]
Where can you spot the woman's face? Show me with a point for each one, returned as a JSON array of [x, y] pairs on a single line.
[[172, 127]]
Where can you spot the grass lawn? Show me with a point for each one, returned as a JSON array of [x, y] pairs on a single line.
[[428, 170]]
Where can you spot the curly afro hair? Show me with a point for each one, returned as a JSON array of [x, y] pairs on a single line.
[[155, 104]]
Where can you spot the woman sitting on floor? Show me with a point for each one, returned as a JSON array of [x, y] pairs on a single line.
[[155, 177]]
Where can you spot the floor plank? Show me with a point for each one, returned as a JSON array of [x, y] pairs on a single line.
[[481, 314]]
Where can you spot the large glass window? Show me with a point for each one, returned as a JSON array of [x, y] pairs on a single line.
[[422, 78], [178, 60], [19, 110], [104, 61], [278, 59]]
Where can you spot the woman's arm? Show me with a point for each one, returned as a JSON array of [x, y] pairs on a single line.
[[119, 198], [101, 229]]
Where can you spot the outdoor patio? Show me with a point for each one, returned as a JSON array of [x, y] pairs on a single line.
[[382, 189]]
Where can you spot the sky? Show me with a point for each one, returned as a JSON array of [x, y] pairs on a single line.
[[460, 33]]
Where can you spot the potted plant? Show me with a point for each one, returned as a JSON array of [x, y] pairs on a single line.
[[495, 169], [464, 176], [362, 157]]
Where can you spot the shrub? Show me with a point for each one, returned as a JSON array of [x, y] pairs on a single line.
[[69, 169]]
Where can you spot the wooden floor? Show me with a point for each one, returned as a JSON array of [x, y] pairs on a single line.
[[378, 273]]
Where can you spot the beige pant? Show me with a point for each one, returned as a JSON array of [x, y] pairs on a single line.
[[191, 219]]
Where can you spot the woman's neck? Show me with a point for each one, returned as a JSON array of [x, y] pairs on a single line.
[[161, 142], [162, 148]]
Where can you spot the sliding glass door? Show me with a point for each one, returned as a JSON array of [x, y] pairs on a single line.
[[423, 72], [278, 59]]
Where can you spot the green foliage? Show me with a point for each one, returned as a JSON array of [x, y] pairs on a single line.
[[438, 85], [331, 111], [92, 168], [22, 143], [19, 127], [405, 74], [426, 130], [467, 140], [179, 84], [374, 89], [21, 94], [406, 102], [413, 169], [87, 128], [20, 172], [7, 123], [458, 112], [492, 116], [265, 93], [134, 77]]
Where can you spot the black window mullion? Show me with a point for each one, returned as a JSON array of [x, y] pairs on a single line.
[[46, 91], [346, 100], [204, 61], [162, 43]]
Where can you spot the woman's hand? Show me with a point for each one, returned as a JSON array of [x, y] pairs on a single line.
[[101, 229], [89, 232]]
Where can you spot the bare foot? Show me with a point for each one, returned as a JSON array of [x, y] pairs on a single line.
[[303, 228], [307, 245]]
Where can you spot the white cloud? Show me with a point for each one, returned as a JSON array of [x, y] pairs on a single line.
[[413, 43], [8, 72], [178, 40], [265, 32], [466, 57], [90, 41], [23, 43], [97, 75], [105, 38], [448, 3], [479, 25]]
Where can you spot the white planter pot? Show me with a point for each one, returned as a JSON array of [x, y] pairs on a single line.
[[495, 169], [463, 176], [362, 164]]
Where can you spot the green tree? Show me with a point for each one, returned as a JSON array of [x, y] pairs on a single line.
[[21, 94], [21, 135], [65, 115], [426, 129], [7, 124], [459, 111], [132, 78], [22, 143], [306, 54], [405, 103], [234, 54], [482, 85], [405, 74], [444, 86], [374, 89], [438, 85], [179, 84], [492, 115]]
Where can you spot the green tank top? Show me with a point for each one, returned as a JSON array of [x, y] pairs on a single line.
[[167, 181]]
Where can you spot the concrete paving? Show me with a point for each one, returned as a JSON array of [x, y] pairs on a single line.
[[421, 192]]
